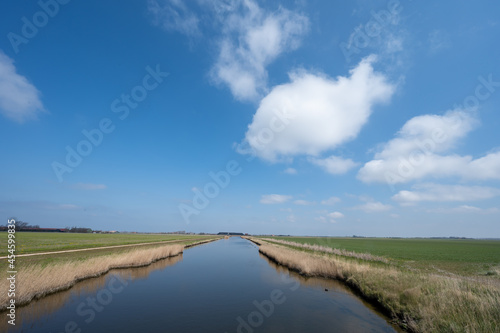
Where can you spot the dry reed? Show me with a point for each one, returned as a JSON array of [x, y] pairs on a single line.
[[325, 249], [418, 302], [35, 281]]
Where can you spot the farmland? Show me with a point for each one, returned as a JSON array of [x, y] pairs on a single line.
[[457, 256], [35, 242]]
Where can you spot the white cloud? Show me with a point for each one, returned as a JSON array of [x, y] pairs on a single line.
[[291, 218], [321, 219], [419, 151], [174, 15], [249, 37], [314, 113], [19, 99], [374, 207], [252, 39], [304, 202], [270, 199], [464, 209], [445, 193], [330, 201], [334, 164], [336, 215], [290, 171], [330, 217], [88, 186]]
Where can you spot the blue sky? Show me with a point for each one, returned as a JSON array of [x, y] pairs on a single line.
[[375, 118]]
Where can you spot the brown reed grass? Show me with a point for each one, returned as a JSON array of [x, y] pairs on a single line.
[[35, 281], [417, 301]]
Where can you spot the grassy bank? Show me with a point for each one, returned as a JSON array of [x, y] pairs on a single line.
[[35, 242], [470, 257], [418, 300], [44, 275]]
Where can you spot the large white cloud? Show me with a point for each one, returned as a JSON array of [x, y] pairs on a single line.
[[445, 193], [252, 39], [19, 99], [314, 113], [422, 149]]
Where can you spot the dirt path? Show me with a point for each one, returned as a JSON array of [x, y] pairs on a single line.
[[98, 248]]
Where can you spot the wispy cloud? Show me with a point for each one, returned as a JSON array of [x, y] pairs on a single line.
[[331, 201], [381, 34], [438, 40], [330, 217], [373, 207], [65, 207], [89, 186], [270, 199], [290, 171], [464, 209], [174, 15], [19, 99], [252, 39], [304, 202], [249, 38], [445, 193], [334, 165]]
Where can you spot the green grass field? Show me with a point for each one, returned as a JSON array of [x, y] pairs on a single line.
[[33, 242], [458, 256]]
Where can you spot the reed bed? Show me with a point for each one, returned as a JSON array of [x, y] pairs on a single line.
[[417, 301], [35, 281]]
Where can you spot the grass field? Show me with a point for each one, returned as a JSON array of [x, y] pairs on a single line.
[[457, 256], [33, 242]]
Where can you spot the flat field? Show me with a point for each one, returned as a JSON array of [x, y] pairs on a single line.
[[457, 256], [33, 242]]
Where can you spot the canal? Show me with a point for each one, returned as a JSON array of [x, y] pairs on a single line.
[[223, 286]]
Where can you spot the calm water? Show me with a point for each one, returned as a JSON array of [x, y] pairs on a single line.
[[224, 286]]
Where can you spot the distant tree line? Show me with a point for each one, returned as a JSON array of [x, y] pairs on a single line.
[[20, 225], [79, 230]]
